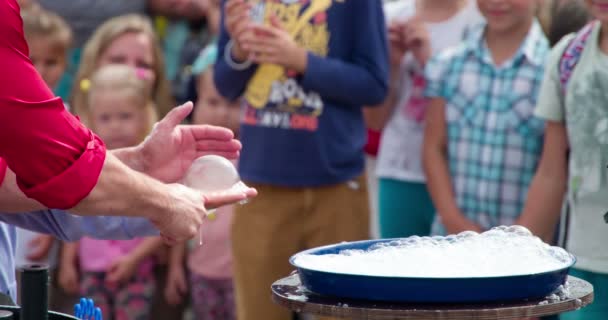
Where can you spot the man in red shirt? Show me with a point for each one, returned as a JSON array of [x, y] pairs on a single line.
[[61, 164]]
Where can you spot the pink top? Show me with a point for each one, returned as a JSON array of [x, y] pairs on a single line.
[[98, 255], [213, 259]]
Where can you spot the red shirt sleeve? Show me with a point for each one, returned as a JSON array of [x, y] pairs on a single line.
[[57, 160], [373, 142], [2, 171]]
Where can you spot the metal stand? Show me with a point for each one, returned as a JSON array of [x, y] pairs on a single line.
[[289, 293]]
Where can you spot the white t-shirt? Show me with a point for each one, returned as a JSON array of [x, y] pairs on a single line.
[[22, 250], [400, 155], [584, 111]]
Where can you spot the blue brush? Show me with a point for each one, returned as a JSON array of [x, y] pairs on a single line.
[[90, 308], [98, 314], [86, 310], [77, 310]]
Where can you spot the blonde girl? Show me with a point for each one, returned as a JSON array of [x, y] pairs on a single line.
[[118, 275], [128, 39]]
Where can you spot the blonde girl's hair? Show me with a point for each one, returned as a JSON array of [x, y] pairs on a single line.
[[38, 22], [124, 81], [100, 41]]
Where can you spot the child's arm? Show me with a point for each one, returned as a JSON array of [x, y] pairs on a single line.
[[376, 117], [403, 37], [546, 194], [361, 79], [123, 269], [177, 285], [436, 169], [230, 80], [68, 267], [40, 247]]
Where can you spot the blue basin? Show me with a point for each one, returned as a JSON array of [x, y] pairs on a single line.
[[425, 290]]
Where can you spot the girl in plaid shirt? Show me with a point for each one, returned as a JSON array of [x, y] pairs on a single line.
[[482, 141]]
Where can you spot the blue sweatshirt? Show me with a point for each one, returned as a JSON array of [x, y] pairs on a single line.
[[306, 130]]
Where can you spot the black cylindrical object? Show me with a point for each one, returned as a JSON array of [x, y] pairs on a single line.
[[6, 315], [34, 292]]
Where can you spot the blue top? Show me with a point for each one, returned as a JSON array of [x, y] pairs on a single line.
[[306, 130], [494, 141], [64, 226]]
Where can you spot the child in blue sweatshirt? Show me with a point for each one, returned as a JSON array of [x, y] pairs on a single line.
[[305, 69]]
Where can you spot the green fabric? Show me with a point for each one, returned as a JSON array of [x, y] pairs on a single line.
[[598, 310], [64, 87], [206, 59], [405, 209], [176, 37]]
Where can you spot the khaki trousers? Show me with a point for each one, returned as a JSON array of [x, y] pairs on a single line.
[[280, 222]]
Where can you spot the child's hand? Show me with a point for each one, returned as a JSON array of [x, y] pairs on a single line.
[[272, 44], [397, 43], [418, 40], [455, 226], [177, 286], [68, 278], [236, 22], [121, 270], [40, 247]]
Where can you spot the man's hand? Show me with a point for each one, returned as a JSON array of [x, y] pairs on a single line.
[[229, 196], [170, 149], [183, 214], [273, 44], [180, 218], [39, 247]]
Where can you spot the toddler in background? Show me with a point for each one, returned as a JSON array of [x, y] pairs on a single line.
[[117, 274], [49, 39], [210, 264]]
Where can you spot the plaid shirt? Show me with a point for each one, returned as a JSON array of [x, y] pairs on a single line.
[[494, 141]]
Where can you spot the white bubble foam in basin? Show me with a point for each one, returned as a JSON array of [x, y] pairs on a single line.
[[502, 251]]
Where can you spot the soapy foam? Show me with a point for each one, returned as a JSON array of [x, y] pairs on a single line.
[[502, 251], [562, 293]]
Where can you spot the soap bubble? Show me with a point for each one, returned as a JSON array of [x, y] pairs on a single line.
[[211, 173], [501, 251]]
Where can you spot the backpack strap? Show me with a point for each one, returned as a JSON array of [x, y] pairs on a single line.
[[572, 54]]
